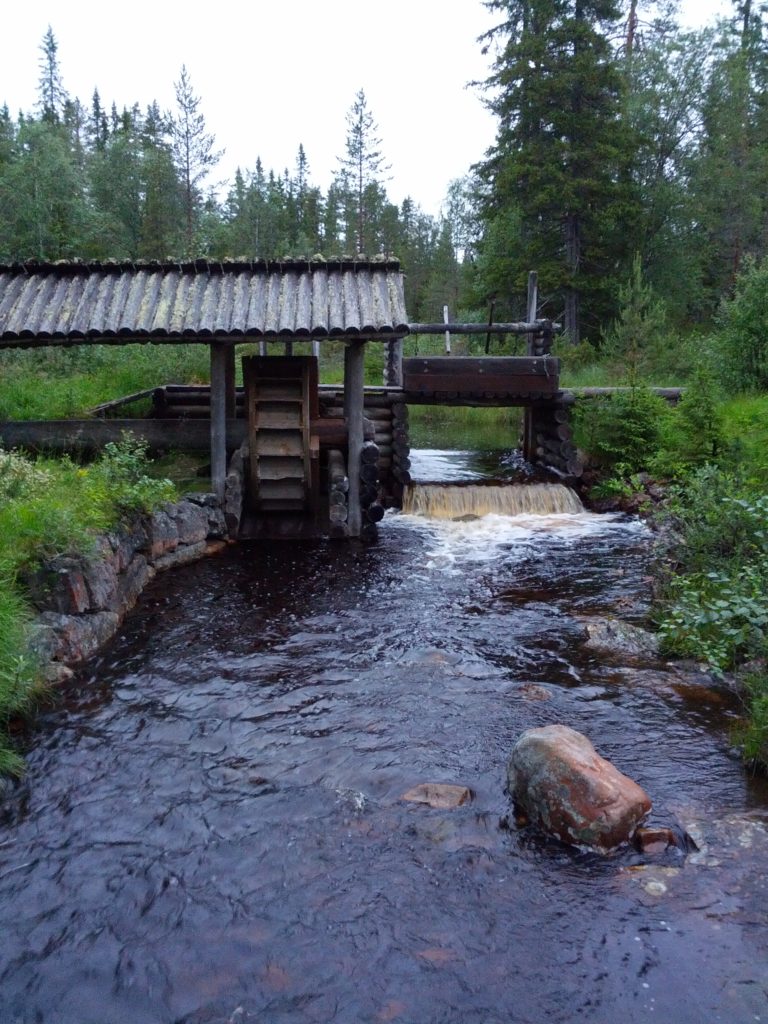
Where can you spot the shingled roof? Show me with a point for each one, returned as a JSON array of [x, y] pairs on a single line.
[[50, 303]]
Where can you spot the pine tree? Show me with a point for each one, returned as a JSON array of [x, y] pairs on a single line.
[[194, 152]]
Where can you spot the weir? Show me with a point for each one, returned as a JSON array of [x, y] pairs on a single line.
[[462, 501]]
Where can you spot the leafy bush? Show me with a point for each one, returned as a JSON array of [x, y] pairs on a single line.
[[19, 476], [719, 617], [121, 477]]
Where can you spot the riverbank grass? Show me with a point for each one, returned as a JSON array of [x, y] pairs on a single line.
[[50, 507]]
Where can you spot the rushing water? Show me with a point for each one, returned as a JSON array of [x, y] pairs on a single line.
[[211, 831]]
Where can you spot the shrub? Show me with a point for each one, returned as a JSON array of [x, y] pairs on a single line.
[[122, 476]]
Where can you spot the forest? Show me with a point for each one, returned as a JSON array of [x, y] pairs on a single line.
[[621, 138], [629, 168]]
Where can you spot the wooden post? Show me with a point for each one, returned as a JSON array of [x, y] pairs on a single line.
[[393, 364], [218, 417], [262, 348], [447, 320], [316, 349], [532, 307], [354, 398], [490, 321], [231, 388]]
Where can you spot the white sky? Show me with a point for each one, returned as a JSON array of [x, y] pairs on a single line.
[[274, 74]]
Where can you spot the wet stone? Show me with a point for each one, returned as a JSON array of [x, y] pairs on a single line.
[[562, 784], [162, 534], [79, 636], [181, 556], [191, 522], [654, 840], [440, 795], [619, 639]]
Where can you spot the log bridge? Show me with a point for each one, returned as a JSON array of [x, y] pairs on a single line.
[[289, 457]]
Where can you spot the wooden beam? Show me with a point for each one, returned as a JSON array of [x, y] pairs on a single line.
[[507, 328], [354, 394], [92, 434], [218, 418]]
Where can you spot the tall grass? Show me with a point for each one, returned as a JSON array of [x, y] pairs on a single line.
[[48, 507]]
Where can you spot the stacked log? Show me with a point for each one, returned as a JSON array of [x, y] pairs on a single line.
[[338, 490], [401, 452], [373, 510], [553, 445]]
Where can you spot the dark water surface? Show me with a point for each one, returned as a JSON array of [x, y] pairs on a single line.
[[211, 830]]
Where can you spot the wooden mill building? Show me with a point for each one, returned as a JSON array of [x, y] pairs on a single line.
[[303, 446]]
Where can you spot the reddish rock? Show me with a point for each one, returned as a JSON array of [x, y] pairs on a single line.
[[441, 795], [654, 840], [559, 780]]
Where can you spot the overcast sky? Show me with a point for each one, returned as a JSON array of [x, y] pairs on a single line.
[[273, 75]]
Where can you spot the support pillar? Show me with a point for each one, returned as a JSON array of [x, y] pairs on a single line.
[[354, 401], [219, 361], [231, 386]]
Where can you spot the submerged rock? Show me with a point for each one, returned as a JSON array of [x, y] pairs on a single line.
[[562, 784], [615, 637], [441, 795]]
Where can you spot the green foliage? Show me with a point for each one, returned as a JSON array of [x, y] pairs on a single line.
[[719, 617], [753, 735], [49, 507], [625, 428], [555, 193], [18, 683], [744, 335], [121, 477]]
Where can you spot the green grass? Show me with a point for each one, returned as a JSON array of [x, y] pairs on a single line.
[[66, 383], [745, 424], [48, 507], [462, 427]]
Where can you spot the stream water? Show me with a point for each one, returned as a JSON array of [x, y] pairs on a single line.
[[211, 829]]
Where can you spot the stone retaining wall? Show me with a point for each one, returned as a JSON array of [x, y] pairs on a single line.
[[82, 599]]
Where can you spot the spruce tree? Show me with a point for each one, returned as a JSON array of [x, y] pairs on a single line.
[[554, 187], [194, 152], [52, 95], [362, 172]]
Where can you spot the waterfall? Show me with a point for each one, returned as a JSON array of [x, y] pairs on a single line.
[[451, 501]]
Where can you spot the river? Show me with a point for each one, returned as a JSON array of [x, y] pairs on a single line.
[[211, 829]]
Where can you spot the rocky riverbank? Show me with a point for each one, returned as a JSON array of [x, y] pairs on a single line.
[[81, 600]]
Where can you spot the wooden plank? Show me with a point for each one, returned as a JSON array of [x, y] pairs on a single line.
[[483, 387], [281, 418], [483, 366], [116, 403], [276, 468], [279, 442]]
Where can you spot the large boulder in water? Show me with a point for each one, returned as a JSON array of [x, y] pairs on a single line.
[[559, 780]]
